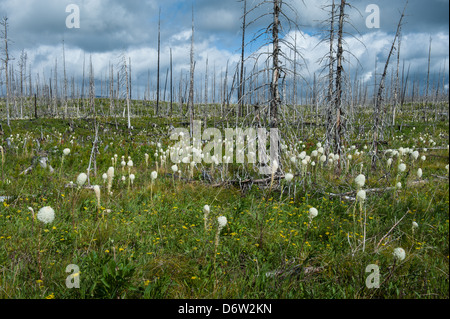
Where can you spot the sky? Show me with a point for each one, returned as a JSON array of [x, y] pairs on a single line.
[[112, 28]]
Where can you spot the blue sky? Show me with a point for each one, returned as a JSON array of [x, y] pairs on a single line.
[[112, 27]]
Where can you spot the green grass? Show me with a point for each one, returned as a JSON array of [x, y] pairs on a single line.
[[157, 247]]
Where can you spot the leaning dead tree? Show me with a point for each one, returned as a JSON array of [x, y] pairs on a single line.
[[378, 124]]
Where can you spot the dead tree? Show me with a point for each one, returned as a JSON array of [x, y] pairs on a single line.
[[276, 71], [125, 79], [276, 59], [329, 126], [159, 61], [191, 81], [171, 83], [397, 81], [4, 34], [337, 78], [22, 74], [425, 110], [55, 95], [111, 90], [92, 88], [340, 125], [241, 77], [65, 83], [378, 119]]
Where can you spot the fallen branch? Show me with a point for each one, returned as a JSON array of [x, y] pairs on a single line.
[[252, 181], [351, 195], [387, 234], [440, 177]]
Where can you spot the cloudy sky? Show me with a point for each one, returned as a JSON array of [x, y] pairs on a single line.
[[109, 28]]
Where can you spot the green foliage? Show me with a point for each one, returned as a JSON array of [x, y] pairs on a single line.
[[140, 246]]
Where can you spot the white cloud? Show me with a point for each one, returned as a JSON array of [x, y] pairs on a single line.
[[112, 27]]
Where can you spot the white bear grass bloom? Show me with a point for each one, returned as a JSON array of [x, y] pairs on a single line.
[[289, 177], [360, 180], [110, 175], [399, 254], [222, 221], [389, 162], [46, 215], [66, 152], [361, 195], [402, 167], [96, 189], [153, 177], [206, 211], [146, 159], [81, 179], [313, 212]]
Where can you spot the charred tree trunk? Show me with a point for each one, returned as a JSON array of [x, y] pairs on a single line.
[[241, 78], [275, 100], [339, 128]]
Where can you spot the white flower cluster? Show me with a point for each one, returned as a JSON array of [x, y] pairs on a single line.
[[46, 215]]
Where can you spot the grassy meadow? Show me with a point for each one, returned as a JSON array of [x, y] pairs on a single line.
[[149, 239]]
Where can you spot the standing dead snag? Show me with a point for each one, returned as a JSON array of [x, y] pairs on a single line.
[[340, 126], [337, 93], [275, 101], [378, 120], [158, 67], [274, 69], [329, 126], [65, 114], [92, 89], [241, 77], [4, 33], [191, 81]]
